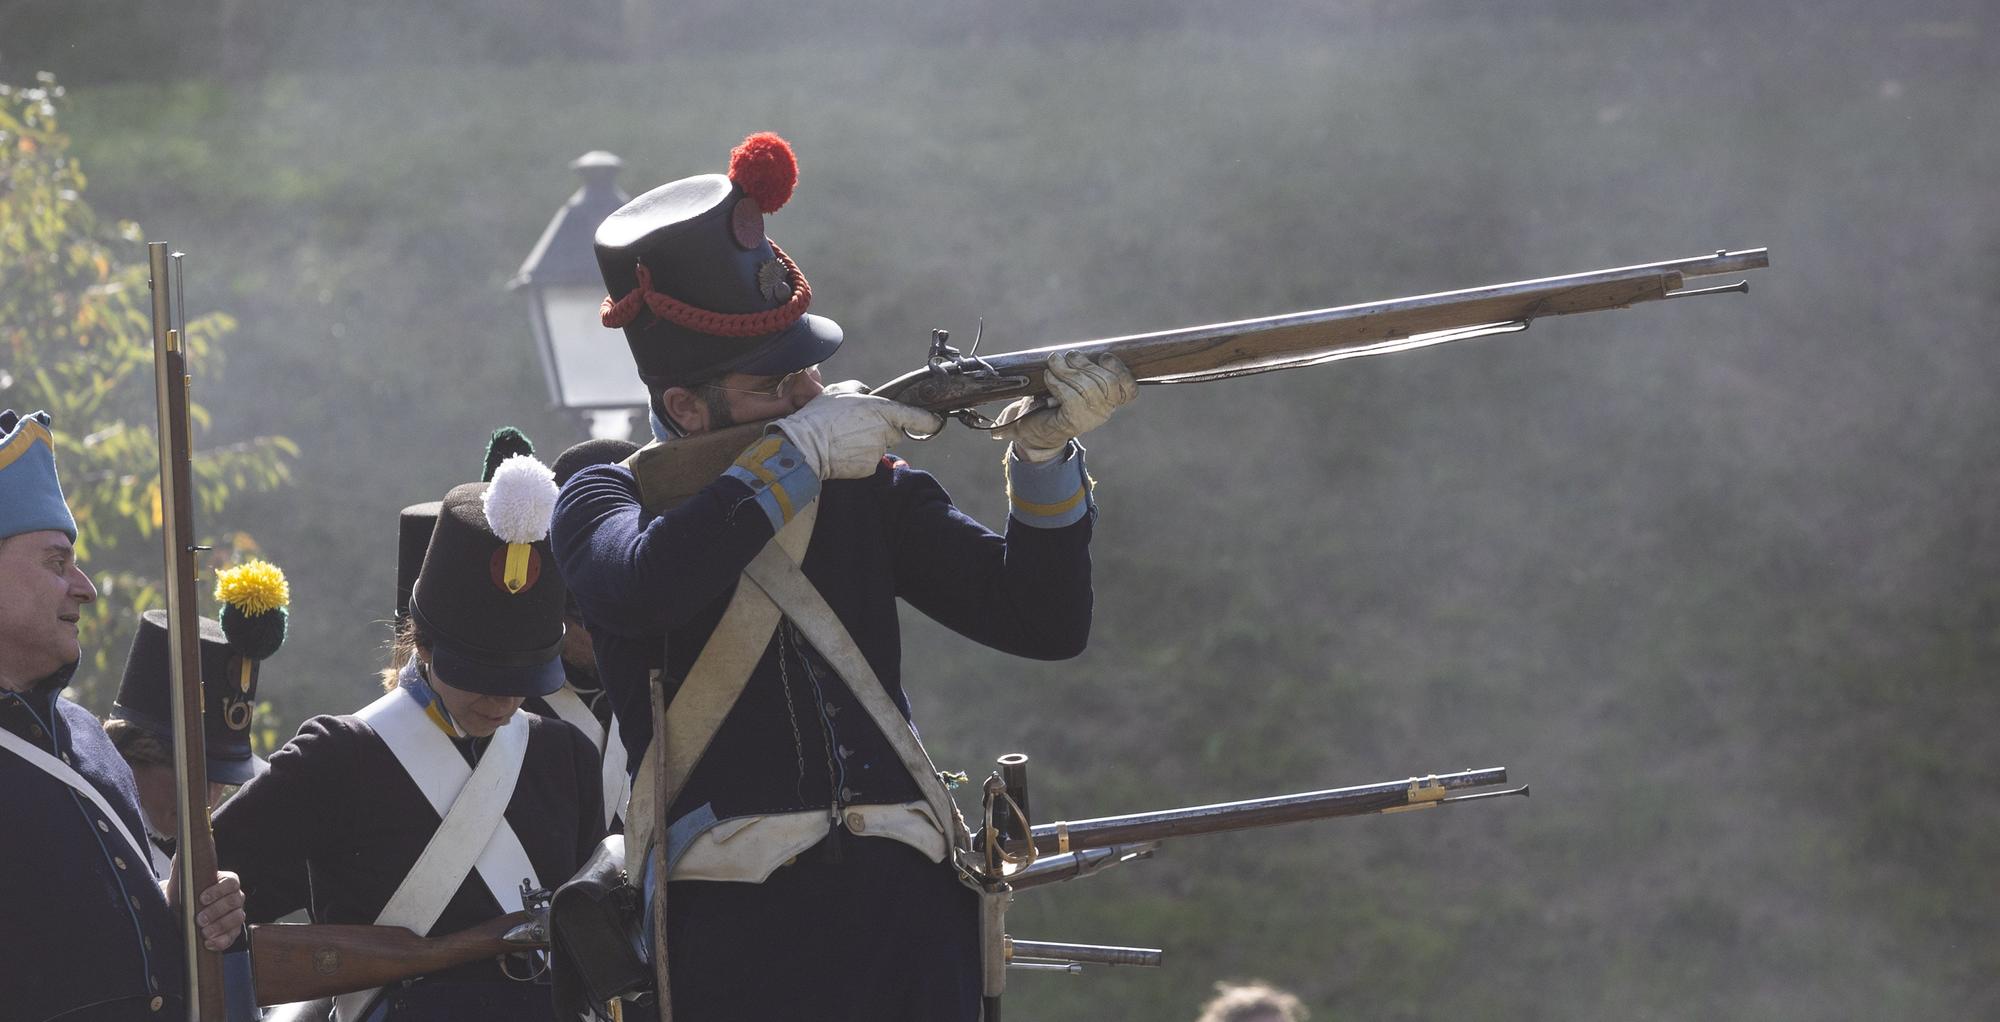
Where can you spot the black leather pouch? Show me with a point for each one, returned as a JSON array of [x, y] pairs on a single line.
[[594, 923]]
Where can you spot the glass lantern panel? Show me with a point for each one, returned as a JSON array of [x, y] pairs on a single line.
[[593, 365]]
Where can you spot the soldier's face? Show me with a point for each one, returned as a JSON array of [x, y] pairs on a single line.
[[740, 397], [755, 398], [475, 714], [42, 593], [158, 797]]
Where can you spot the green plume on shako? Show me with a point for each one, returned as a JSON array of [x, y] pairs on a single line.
[[255, 607], [505, 443], [519, 503]]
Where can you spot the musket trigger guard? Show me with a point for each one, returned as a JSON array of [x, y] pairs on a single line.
[[932, 435], [540, 965]]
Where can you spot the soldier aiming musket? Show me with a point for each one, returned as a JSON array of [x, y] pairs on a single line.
[[740, 576]]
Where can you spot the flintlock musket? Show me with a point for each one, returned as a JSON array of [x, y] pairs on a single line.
[[214, 991], [956, 384], [1011, 853]]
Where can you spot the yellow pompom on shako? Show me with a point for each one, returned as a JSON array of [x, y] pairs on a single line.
[[255, 607], [254, 588], [250, 627]]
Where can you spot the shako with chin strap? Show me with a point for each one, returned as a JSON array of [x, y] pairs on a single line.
[[697, 287], [418, 521], [488, 598]]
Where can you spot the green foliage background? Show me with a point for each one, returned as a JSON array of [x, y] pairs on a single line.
[[76, 318], [1717, 577]]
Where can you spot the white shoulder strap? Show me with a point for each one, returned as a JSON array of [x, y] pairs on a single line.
[[779, 590], [611, 749], [617, 772], [473, 814], [569, 706], [67, 774], [473, 831]]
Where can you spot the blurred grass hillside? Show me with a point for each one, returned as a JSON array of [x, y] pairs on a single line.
[[1717, 577]]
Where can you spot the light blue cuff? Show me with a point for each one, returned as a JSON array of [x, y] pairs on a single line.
[[1052, 493], [780, 480]]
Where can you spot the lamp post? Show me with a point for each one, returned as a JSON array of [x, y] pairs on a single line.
[[587, 366]]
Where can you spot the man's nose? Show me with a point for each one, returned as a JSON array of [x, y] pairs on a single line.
[[806, 387], [80, 586]]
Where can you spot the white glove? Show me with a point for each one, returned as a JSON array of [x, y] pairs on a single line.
[[843, 433], [1082, 395]]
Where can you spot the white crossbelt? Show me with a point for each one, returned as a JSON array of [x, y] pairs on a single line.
[[473, 832], [777, 590], [67, 774], [610, 747]]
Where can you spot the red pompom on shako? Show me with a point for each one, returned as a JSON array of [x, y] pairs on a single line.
[[764, 167]]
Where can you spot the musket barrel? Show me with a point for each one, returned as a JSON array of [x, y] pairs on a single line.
[[195, 867], [1258, 812], [1086, 954], [1725, 261]]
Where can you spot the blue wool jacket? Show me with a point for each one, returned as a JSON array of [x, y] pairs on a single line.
[[85, 930], [796, 739]]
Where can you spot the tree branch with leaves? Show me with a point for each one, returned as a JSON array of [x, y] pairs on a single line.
[[76, 340]]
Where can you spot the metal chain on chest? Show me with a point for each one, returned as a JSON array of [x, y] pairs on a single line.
[[791, 711]]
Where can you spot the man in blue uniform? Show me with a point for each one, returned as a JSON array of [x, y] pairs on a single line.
[[809, 844], [87, 930]]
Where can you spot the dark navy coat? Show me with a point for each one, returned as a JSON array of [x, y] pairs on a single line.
[[797, 739], [892, 535], [85, 932], [337, 804]]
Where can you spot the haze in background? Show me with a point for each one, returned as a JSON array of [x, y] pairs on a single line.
[[1716, 577]]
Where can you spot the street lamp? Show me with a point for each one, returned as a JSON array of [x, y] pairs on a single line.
[[587, 366]]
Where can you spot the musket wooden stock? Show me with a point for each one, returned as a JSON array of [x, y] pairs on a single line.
[[674, 470], [305, 961], [195, 869]]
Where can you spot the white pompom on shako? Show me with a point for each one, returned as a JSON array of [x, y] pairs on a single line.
[[487, 593], [521, 500]]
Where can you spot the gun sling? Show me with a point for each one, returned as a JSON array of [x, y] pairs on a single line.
[[473, 832]]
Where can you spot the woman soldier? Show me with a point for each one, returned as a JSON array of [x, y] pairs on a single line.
[[433, 806]]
